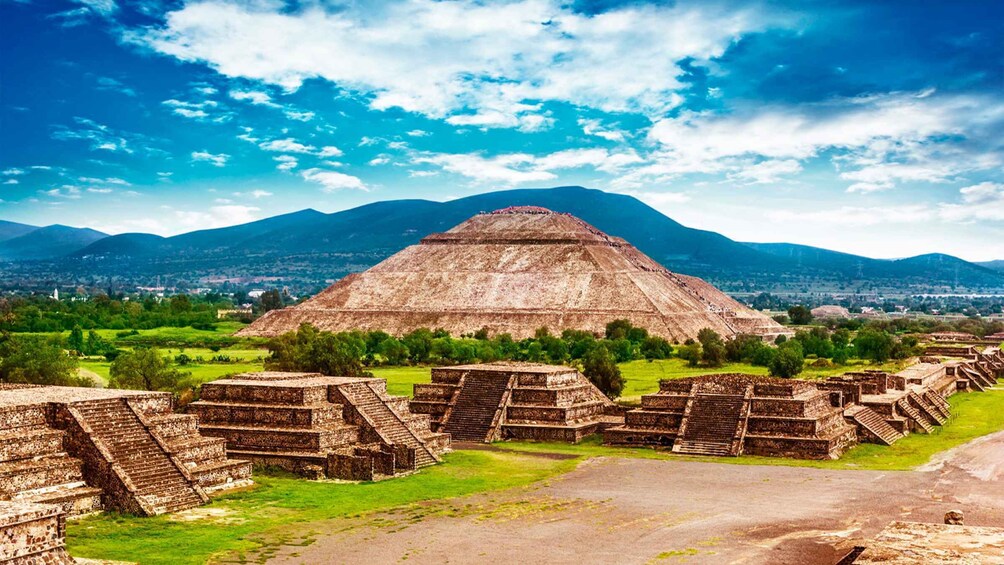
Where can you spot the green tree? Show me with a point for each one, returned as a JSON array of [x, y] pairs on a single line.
[[181, 303], [691, 353], [308, 349], [419, 344], [144, 369], [76, 340], [618, 329], [393, 351], [712, 348], [601, 370], [37, 360], [787, 363], [269, 300], [654, 347], [874, 344], [800, 315]]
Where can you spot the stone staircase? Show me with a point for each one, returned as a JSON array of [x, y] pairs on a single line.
[[204, 458], [904, 406], [387, 423], [152, 478], [939, 403], [711, 425], [870, 420], [34, 467], [933, 414], [473, 417]]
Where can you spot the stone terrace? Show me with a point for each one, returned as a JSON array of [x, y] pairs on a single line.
[[32, 533], [318, 426], [83, 449], [733, 414], [484, 403]]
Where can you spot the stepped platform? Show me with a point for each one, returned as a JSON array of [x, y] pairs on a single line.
[[734, 414], [83, 449], [32, 533], [499, 401], [318, 426]]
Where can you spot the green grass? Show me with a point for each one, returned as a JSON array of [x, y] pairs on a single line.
[[248, 361], [281, 504], [973, 415], [401, 380]]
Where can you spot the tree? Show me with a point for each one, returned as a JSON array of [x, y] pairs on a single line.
[[618, 329], [180, 304], [308, 349], [874, 344], [712, 348], [37, 360], [419, 344], [601, 370], [743, 347], [269, 300], [76, 340], [144, 369], [691, 353], [393, 351], [787, 363], [800, 315], [654, 347]]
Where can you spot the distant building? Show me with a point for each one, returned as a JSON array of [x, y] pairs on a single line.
[[241, 312], [831, 311]]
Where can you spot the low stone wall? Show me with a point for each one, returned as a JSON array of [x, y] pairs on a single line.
[[32, 534]]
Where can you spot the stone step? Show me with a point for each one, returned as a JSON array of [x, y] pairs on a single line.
[[21, 443], [914, 414], [874, 423]]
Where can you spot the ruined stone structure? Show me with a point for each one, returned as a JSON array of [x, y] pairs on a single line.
[[484, 403], [910, 543], [516, 270], [318, 426], [32, 534], [734, 414], [83, 449], [961, 351]]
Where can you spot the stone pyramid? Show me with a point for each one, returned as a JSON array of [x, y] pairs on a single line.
[[515, 270]]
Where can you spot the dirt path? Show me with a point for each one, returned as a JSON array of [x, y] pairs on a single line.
[[614, 510]]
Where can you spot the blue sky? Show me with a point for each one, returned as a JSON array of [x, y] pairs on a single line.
[[869, 127]]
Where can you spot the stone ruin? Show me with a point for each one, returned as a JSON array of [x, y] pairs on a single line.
[[489, 402], [735, 414], [33, 534], [318, 426], [910, 543], [961, 351], [85, 449], [516, 270]]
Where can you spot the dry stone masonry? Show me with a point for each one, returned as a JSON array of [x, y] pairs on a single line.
[[488, 402], [83, 449], [516, 270], [318, 426], [32, 534]]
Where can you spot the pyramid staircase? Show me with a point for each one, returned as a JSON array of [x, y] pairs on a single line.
[[35, 468], [714, 424], [870, 420], [933, 414], [477, 413], [904, 406], [373, 407], [155, 482], [939, 403]]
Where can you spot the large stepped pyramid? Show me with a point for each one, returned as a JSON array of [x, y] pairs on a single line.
[[508, 400], [318, 426], [733, 414], [86, 449], [513, 271]]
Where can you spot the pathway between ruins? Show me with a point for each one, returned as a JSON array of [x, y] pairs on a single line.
[[614, 510]]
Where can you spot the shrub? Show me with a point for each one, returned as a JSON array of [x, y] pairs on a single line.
[[599, 367]]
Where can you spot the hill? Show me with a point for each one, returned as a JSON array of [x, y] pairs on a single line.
[[47, 243], [995, 265], [307, 250], [10, 230]]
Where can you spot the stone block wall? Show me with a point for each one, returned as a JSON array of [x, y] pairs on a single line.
[[32, 533]]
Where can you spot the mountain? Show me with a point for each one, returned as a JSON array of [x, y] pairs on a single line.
[[47, 243], [309, 249], [935, 266], [10, 230], [995, 265]]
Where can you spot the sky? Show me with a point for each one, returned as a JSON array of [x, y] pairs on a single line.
[[874, 128]]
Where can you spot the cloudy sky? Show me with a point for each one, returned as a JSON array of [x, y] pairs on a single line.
[[870, 127]]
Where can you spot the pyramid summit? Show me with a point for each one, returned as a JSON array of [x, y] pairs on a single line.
[[512, 271]]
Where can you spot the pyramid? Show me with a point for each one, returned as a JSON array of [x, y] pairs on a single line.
[[515, 270]]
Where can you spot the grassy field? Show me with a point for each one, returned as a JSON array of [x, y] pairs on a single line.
[[281, 508], [244, 360], [267, 514]]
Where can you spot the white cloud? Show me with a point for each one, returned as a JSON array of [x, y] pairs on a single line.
[[288, 145], [333, 180], [983, 201], [286, 162], [100, 190], [518, 168], [379, 160], [770, 171], [445, 59], [216, 216], [256, 97], [217, 160], [330, 151], [300, 116], [857, 216], [65, 191], [596, 128], [256, 194], [11, 181], [12, 172], [417, 133]]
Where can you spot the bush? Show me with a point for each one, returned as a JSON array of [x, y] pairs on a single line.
[[599, 367], [800, 315], [787, 363], [144, 369], [655, 348], [37, 360]]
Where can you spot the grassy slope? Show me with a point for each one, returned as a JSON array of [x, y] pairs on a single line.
[[256, 518]]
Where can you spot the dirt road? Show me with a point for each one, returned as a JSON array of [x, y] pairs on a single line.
[[613, 510]]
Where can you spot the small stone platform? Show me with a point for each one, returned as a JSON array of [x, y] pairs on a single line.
[[734, 414], [318, 426], [84, 449], [32, 533], [911, 543], [493, 401]]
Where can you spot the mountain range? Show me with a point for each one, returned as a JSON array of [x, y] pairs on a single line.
[[308, 249]]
